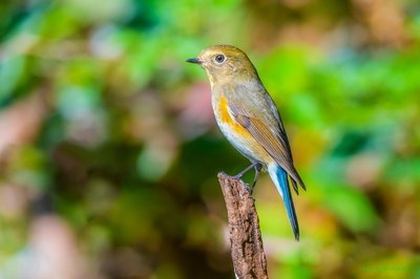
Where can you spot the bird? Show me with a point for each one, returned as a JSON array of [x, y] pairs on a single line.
[[248, 117]]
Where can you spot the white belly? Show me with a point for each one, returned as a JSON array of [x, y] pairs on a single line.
[[238, 142]]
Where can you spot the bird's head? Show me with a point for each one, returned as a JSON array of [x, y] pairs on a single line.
[[225, 63]]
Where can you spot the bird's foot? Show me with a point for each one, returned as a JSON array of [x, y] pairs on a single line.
[[257, 167]]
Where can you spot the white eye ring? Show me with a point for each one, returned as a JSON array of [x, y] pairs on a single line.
[[219, 59]]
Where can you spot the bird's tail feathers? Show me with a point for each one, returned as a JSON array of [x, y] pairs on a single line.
[[280, 179]]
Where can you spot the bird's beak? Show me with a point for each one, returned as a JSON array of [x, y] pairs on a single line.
[[193, 60]]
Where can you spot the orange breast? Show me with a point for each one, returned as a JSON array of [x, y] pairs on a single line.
[[238, 135], [226, 118]]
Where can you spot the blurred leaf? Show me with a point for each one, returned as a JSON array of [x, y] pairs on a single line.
[[351, 207], [11, 72], [29, 168], [285, 70], [403, 173]]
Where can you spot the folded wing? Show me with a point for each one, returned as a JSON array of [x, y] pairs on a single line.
[[265, 126]]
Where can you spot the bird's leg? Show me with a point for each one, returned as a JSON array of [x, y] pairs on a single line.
[[257, 168], [239, 175]]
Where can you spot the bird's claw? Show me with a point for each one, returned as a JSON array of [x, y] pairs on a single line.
[[257, 167]]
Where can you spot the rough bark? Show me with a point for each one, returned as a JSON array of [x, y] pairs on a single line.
[[249, 260]]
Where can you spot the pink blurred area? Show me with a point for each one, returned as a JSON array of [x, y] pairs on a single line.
[[196, 114], [20, 123]]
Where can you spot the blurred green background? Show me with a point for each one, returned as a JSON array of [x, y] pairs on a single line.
[[109, 150]]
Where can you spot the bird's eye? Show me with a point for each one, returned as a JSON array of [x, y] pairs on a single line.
[[220, 58]]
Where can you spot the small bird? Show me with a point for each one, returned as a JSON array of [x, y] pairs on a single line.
[[249, 119]]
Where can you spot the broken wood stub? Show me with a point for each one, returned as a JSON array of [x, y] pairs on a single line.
[[249, 260]]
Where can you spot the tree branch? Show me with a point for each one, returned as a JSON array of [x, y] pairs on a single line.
[[249, 260]]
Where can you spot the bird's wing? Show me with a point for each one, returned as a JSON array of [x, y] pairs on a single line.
[[256, 112]]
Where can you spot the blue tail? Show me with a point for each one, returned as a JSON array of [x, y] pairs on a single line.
[[279, 177]]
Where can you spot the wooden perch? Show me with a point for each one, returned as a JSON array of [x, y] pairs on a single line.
[[249, 261]]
